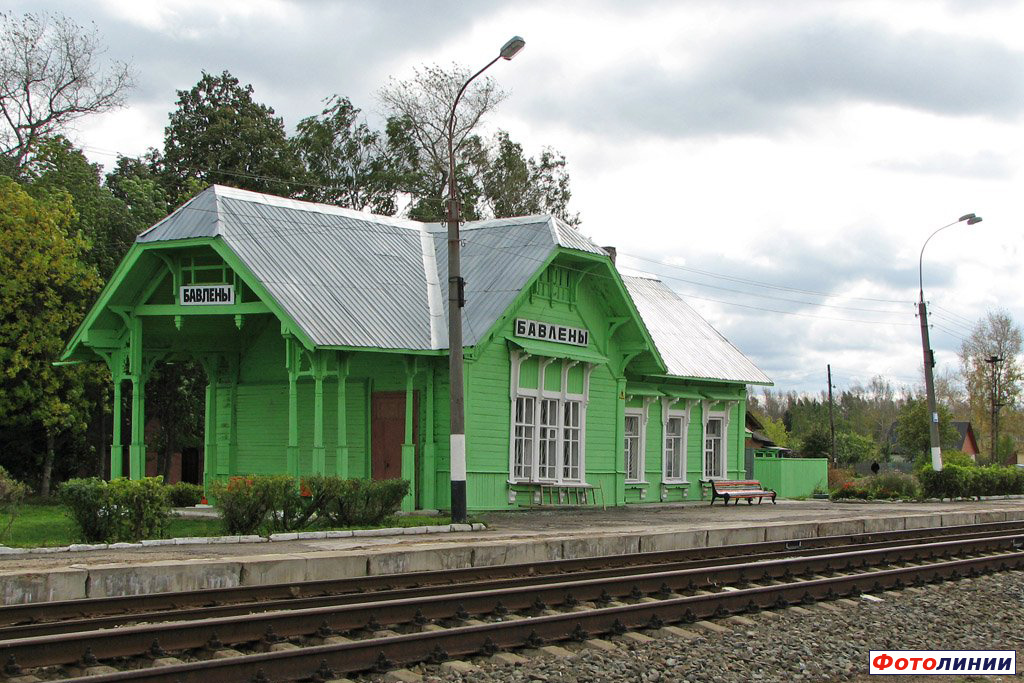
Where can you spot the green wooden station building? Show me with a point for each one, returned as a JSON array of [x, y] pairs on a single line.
[[324, 339]]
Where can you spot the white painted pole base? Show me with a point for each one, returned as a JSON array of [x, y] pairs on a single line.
[[937, 459]]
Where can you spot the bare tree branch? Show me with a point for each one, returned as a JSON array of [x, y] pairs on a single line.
[[50, 76]]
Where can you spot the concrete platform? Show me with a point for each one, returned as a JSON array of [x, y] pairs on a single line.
[[511, 537]]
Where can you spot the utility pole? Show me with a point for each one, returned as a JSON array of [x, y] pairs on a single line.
[[831, 416]]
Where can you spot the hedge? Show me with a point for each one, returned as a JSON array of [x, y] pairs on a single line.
[[269, 504], [954, 481], [122, 510]]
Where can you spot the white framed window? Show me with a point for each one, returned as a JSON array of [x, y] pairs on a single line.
[[675, 453], [714, 447], [571, 440], [548, 427], [633, 447], [547, 453], [522, 437], [676, 423]]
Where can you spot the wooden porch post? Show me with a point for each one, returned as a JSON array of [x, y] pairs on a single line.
[[319, 451], [292, 362], [211, 365], [137, 449], [341, 452], [428, 495], [408, 444]]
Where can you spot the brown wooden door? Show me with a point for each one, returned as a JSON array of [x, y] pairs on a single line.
[[387, 433]]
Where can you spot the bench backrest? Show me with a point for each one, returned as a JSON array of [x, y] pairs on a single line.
[[736, 485]]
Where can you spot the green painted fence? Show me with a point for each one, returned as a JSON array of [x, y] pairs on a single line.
[[792, 477]]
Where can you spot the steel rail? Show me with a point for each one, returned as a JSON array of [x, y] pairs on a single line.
[[216, 611], [328, 661], [183, 635], [254, 596]]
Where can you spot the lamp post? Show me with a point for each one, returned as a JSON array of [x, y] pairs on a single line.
[[929, 355], [456, 301]]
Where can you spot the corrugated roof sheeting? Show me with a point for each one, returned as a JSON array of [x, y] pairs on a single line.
[[345, 281], [689, 345], [352, 279], [498, 259]]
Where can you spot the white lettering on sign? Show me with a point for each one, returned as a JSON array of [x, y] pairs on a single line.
[[206, 295], [533, 329]]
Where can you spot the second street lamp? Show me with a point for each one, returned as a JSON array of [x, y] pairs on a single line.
[[929, 355], [456, 301]]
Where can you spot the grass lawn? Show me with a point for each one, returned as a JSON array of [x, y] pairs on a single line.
[[46, 524]]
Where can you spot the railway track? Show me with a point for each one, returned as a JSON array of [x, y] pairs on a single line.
[[361, 631]]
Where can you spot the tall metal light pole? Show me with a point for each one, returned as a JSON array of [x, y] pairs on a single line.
[[929, 355], [456, 301]]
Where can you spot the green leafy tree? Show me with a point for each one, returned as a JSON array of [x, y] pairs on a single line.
[[219, 134], [816, 444], [853, 448], [516, 186], [103, 219], [134, 182], [44, 287], [913, 434], [50, 76], [345, 162], [775, 430]]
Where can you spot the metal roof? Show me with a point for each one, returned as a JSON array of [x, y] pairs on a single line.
[[354, 279], [688, 344], [349, 278]]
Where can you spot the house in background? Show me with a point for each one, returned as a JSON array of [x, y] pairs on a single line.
[[968, 443]]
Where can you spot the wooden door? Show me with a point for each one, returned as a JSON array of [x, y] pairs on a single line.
[[387, 433]]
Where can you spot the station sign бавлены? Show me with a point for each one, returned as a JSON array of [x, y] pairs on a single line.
[[563, 334], [206, 295]]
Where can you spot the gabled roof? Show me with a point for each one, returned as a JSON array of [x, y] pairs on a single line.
[[351, 279], [689, 345], [354, 279]]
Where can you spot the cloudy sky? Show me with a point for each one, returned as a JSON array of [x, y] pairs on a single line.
[[779, 164]]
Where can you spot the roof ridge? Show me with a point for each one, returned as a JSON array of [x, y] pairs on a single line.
[[316, 207]]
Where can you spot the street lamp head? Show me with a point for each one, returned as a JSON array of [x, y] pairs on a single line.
[[973, 219], [965, 217], [513, 46]]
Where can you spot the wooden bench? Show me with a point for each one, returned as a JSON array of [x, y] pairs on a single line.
[[740, 489]]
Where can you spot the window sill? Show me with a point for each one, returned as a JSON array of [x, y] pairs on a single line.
[[637, 485], [675, 484]]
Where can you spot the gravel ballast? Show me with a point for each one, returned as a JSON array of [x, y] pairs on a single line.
[[813, 644]]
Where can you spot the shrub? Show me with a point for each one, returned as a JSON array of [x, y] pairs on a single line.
[[366, 501], [246, 502], [886, 486], [12, 492], [184, 494], [894, 486], [267, 504], [119, 511], [951, 482], [838, 478]]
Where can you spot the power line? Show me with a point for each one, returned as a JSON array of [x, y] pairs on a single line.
[[758, 283]]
